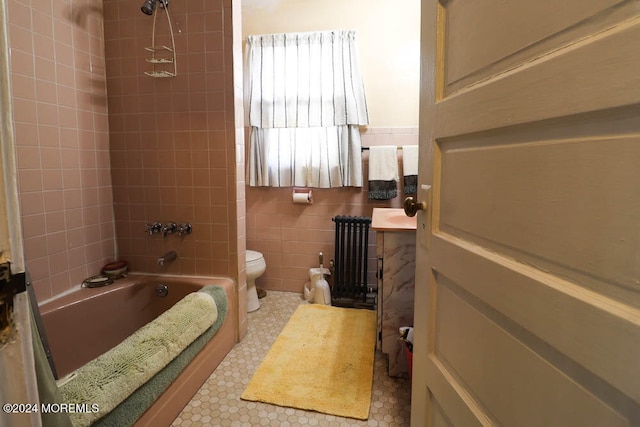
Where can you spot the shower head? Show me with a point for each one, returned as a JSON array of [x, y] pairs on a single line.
[[148, 7]]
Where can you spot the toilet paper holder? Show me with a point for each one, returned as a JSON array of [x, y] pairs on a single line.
[[302, 196]]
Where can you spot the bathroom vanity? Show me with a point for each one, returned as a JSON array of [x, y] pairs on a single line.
[[396, 253]]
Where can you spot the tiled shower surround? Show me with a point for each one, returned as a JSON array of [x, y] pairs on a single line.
[[103, 148], [174, 140], [59, 101]]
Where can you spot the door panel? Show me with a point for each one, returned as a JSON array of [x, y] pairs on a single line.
[[438, 419], [528, 258], [510, 377], [542, 221], [590, 74], [579, 324], [450, 399], [469, 58]]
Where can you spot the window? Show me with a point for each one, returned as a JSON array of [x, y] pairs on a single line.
[[306, 106]]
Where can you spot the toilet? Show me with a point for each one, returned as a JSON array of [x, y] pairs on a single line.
[[255, 267]]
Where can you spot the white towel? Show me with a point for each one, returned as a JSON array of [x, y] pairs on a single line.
[[410, 160], [383, 163]]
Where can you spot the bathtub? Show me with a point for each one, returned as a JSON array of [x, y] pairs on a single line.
[[82, 325]]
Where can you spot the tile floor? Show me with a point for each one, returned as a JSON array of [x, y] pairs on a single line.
[[218, 402]]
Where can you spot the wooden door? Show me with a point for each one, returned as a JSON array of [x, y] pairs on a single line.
[[528, 280]]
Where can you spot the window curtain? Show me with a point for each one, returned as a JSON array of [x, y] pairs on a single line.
[[306, 103]]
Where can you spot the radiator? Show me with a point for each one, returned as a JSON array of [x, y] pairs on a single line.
[[350, 263]]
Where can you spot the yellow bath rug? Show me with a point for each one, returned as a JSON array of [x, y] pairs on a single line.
[[321, 361]]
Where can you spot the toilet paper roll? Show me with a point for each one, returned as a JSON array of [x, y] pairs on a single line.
[[302, 198]]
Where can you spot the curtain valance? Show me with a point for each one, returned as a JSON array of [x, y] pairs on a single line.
[[306, 157], [305, 80]]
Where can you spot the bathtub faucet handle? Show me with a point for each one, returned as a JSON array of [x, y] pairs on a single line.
[[169, 228], [184, 229], [154, 227]]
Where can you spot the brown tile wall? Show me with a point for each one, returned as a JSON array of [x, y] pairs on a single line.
[[173, 142], [291, 235], [62, 142]]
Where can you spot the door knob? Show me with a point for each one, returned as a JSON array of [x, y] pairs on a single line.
[[411, 206]]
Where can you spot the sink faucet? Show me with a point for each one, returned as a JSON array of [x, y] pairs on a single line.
[[167, 258]]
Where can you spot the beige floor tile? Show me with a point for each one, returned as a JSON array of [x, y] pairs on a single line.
[[218, 402]]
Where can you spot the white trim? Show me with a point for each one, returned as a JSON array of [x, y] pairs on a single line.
[[8, 150], [17, 370]]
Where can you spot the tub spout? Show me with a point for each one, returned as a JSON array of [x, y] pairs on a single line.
[[167, 258]]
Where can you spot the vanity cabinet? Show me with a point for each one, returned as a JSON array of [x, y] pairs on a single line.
[[396, 249]]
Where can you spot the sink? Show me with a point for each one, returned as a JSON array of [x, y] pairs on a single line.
[[402, 220], [391, 219]]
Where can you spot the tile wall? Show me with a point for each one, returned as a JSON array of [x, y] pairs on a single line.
[[171, 138], [291, 235], [174, 141], [62, 143]]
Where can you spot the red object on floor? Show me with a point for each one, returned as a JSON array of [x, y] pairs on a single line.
[[409, 354]]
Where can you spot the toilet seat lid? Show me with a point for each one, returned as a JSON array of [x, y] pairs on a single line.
[[253, 256]]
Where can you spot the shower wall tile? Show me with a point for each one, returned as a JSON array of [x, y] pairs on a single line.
[[57, 72], [173, 155], [167, 146], [20, 14]]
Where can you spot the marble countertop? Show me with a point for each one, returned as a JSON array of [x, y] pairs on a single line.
[[391, 219]]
